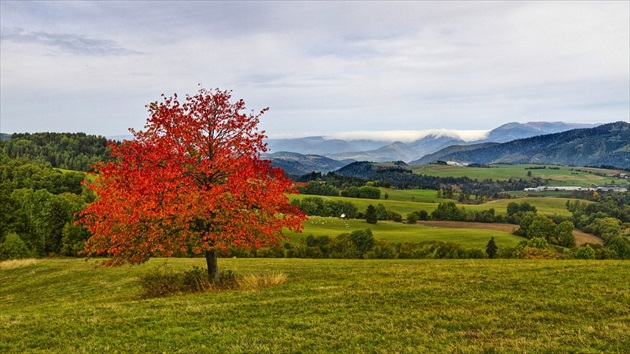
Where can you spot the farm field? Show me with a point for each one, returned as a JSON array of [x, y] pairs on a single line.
[[403, 207], [580, 237], [394, 232], [563, 176], [404, 306], [401, 202]]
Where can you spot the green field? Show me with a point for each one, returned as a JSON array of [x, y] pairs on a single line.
[[403, 207], [401, 202], [547, 206], [394, 232], [563, 176], [326, 306]]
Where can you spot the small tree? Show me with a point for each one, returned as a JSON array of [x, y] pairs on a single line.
[[14, 248], [585, 252], [370, 214], [564, 234], [381, 212], [491, 248], [191, 182], [541, 227]]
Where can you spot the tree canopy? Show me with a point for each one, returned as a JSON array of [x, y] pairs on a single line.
[[192, 181]]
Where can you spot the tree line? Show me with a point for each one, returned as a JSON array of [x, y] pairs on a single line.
[[72, 151]]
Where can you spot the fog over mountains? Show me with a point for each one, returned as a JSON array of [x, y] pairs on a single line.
[[385, 146]]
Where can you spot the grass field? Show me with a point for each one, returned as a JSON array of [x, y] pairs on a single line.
[[401, 202], [403, 207], [563, 176], [326, 306], [398, 232]]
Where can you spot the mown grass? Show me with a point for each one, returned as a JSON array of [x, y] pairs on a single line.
[[563, 176], [385, 306], [393, 232]]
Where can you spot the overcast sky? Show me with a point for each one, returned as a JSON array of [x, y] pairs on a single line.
[[321, 67]]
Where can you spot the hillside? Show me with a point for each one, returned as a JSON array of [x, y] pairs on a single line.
[[72, 151], [326, 306], [607, 144], [298, 164]]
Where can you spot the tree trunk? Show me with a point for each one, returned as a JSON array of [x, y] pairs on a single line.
[[213, 267]]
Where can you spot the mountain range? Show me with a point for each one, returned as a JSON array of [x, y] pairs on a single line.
[[304, 155], [382, 150], [607, 144]]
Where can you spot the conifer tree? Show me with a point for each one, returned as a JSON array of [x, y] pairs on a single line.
[[370, 214], [491, 248]]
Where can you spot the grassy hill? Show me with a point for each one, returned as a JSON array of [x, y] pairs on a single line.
[[407, 201], [557, 175], [404, 306], [393, 232]]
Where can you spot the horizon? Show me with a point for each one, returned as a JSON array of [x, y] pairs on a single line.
[[385, 136]]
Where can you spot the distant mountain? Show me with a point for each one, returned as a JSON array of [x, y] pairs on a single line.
[[5, 137], [513, 131], [383, 150], [321, 146], [298, 164], [607, 144], [453, 149]]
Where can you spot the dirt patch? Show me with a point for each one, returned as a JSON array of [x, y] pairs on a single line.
[[580, 237], [583, 237]]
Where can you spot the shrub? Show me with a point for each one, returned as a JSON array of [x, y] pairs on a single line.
[[585, 252], [536, 253], [14, 248], [163, 281], [621, 246], [270, 252], [394, 216]]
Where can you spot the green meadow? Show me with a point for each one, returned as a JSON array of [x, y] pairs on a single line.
[[394, 232], [562, 176], [401, 201], [325, 306]]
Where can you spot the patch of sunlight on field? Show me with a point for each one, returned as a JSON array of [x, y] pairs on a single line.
[[17, 263]]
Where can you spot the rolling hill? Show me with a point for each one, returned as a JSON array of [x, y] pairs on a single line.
[[607, 144]]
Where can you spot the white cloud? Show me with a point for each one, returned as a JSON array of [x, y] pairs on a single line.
[[407, 136], [322, 67]]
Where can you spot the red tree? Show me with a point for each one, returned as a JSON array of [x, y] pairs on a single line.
[[192, 181]]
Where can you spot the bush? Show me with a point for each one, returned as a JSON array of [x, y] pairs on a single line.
[[163, 281], [536, 253], [270, 252], [506, 252], [394, 216], [585, 252], [14, 248]]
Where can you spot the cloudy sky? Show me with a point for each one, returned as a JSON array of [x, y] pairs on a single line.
[[321, 67]]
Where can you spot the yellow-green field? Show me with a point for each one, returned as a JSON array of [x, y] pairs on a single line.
[[401, 202], [326, 306], [394, 232], [563, 176]]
